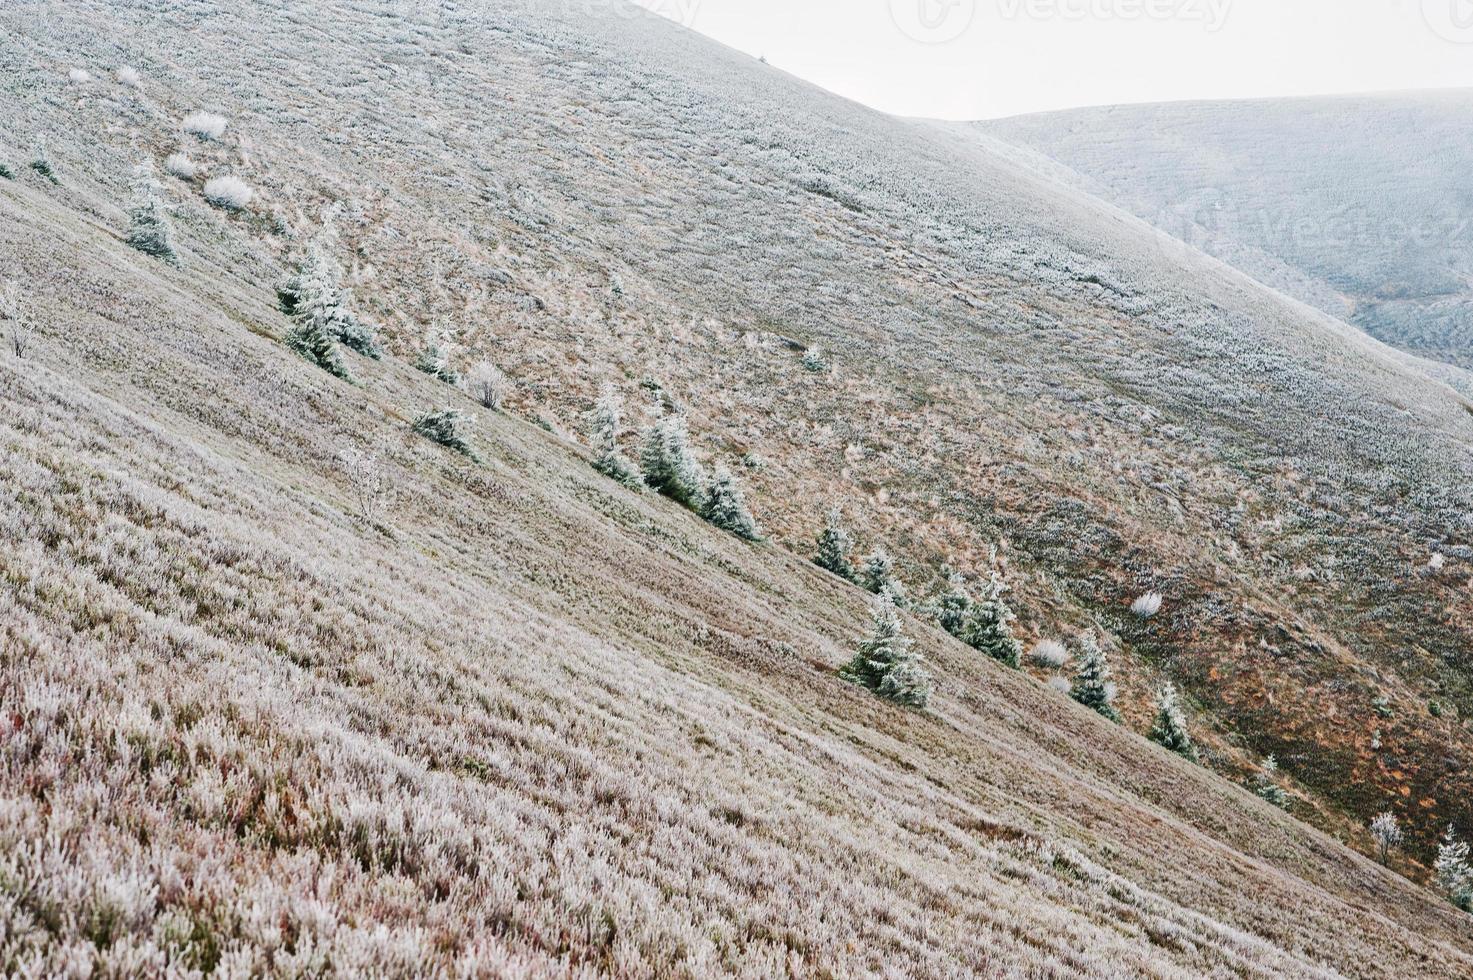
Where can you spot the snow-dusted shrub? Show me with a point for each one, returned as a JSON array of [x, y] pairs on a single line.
[[1170, 729], [41, 163], [487, 385], [1147, 605], [128, 77], [205, 125], [1050, 654], [180, 166], [1454, 876], [148, 221], [834, 544], [726, 507], [372, 489], [79, 76], [6, 172], [669, 465], [447, 427], [813, 360], [1386, 832], [606, 421], [885, 662], [1060, 684], [230, 193], [1092, 687], [1267, 787]]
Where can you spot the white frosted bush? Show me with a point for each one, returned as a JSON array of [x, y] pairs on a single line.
[[79, 76], [180, 166], [1049, 653], [128, 76], [1147, 605], [205, 125], [228, 192]]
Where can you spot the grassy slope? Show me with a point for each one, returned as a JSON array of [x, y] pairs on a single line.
[[539, 722], [1176, 427], [1357, 205]]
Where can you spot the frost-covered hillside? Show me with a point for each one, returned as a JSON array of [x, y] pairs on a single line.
[[272, 708], [1359, 205]]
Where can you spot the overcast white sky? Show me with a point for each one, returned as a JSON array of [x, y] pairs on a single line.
[[973, 59]]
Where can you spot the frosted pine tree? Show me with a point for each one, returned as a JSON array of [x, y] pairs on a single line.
[[669, 465], [989, 628], [1454, 876], [1170, 729], [1092, 686], [953, 607], [834, 544], [312, 338], [726, 507], [149, 230], [1268, 787], [879, 575], [885, 663], [315, 288], [605, 420]]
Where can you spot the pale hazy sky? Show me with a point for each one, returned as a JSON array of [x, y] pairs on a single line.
[[969, 59]]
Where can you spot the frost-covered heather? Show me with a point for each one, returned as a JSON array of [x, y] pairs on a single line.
[[180, 166], [228, 192], [205, 125], [529, 717]]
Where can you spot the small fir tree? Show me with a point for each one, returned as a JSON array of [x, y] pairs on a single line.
[[953, 607], [1092, 686], [726, 507], [834, 545], [605, 420], [148, 221], [447, 427], [1170, 729], [669, 465], [41, 163], [879, 575], [1386, 832], [311, 338], [435, 361], [1267, 787], [1454, 876], [314, 288], [885, 662], [989, 627]]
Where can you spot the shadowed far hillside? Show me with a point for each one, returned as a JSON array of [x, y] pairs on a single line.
[[1359, 205], [515, 719]]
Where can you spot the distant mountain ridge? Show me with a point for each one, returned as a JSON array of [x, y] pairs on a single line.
[[1359, 205]]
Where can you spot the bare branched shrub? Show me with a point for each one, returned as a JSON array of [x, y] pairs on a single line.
[[487, 385], [15, 310], [180, 166], [205, 125], [372, 490], [230, 193], [1386, 832]]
